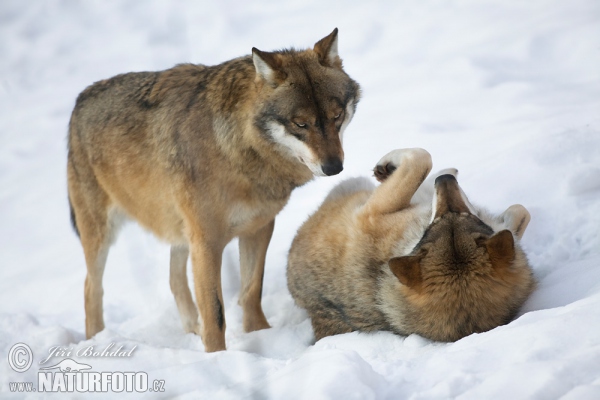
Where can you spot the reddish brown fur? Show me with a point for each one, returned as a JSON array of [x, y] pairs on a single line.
[[372, 260]]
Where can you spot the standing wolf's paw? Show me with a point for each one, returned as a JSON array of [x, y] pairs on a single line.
[[392, 160]]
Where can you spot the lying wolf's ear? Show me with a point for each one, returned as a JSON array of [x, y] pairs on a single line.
[[501, 249], [516, 218], [408, 270], [268, 67], [327, 50]]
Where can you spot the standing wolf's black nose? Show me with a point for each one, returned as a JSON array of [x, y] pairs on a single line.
[[333, 166]]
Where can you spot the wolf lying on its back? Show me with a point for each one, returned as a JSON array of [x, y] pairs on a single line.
[[453, 269]]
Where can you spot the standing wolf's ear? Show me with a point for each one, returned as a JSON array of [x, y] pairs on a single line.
[[268, 67], [327, 50], [408, 271]]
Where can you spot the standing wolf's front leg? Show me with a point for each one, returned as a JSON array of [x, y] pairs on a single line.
[[181, 290], [402, 172], [253, 250], [206, 265]]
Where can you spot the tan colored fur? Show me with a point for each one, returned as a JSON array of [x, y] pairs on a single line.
[[409, 257], [199, 155]]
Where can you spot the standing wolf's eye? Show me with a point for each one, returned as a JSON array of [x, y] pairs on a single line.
[[300, 125], [337, 116]]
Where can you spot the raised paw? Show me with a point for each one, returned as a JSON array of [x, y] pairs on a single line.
[[392, 160], [383, 171]]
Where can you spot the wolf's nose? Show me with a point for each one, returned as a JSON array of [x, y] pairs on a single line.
[[333, 166]]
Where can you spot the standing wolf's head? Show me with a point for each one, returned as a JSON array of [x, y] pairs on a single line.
[[463, 276], [306, 102]]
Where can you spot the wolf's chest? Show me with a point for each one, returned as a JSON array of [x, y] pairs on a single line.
[[248, 216]]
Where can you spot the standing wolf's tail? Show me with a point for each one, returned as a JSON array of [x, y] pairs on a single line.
[[73, 219]]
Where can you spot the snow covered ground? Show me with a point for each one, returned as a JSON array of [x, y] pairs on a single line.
[[506, 91]]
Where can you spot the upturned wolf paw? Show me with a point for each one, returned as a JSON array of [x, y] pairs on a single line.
[[382, 172], [392, 160]]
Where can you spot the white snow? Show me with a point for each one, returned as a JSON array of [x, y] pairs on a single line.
[[508, 92]]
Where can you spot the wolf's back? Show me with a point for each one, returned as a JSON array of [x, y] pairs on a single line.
[[113, 100]]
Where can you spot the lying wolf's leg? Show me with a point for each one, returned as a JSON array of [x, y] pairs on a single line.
[[408, 169], [327, 323], [206, 265], [253, 250], [181, 290]]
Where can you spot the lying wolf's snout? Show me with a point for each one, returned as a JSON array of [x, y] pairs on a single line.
[[449, 198], [333, 166]]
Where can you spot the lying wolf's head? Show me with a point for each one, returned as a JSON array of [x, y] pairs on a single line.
[[463, 277], [306, 101]]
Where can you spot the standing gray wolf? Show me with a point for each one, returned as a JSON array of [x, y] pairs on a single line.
[[409, 257], [202, 154]]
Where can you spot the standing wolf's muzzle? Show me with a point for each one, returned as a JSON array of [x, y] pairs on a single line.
[[332, 166]]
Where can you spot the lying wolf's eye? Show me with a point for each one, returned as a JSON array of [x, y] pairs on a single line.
[[337, 116], [300, 125]]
